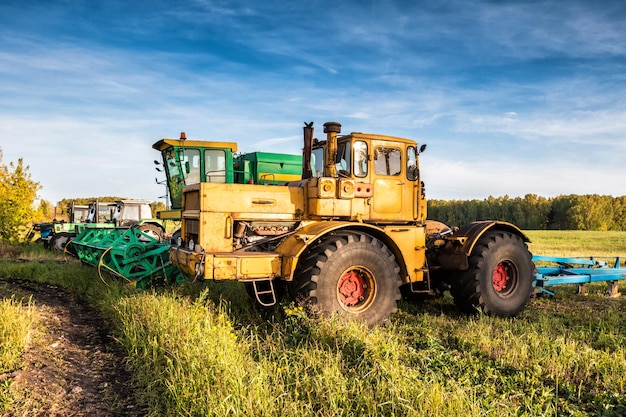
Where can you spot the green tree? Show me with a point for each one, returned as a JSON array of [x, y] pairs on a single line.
[[44, 211], [18, 193]]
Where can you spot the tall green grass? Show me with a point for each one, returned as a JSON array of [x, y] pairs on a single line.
[[201, 350], [17, 320]]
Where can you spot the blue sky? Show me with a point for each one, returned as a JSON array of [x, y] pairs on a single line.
[[512, 97]]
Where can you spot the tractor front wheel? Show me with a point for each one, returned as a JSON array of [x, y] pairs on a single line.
[[351, 274], [500, 277]]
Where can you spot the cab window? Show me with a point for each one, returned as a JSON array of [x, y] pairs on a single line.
[[190, 160], [411, 163], [360, 158], [317, 162], [343, 159], [387, 161], [215, 165]]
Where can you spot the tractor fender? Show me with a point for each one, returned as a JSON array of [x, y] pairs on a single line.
[[156, 222], [295, 245], [461, 243]]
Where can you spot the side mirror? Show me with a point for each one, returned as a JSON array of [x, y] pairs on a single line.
[[422, 148]]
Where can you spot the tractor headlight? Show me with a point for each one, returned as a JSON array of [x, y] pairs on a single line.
[[199, 270], [191, 245]]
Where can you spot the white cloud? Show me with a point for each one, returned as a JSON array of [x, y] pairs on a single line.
[[465, 78]]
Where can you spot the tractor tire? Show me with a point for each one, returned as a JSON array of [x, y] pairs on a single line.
[[152, 230], [351, 274], [500, 277], [59, 241]]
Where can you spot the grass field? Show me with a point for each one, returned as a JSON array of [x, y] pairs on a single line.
[[202, 349], [577, 243]]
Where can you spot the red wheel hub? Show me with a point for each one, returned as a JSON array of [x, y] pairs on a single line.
[[500, 277], [351, 288]]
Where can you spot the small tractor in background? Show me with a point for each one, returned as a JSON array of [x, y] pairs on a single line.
[[54, 235], [103, 216], [351, 236], [62, 231]]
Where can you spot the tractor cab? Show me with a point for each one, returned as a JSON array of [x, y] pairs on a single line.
[[384, 169], [129, 212]]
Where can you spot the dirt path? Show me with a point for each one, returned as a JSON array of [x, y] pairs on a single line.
[[72, 367]]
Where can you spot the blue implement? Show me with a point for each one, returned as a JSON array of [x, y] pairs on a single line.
[[553, 271]]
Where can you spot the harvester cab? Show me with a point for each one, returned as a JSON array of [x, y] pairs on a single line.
[[186, 162]]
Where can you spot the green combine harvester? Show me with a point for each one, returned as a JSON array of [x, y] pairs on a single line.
[[139, 254]]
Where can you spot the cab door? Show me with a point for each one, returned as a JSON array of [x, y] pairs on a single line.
[[389, 202]]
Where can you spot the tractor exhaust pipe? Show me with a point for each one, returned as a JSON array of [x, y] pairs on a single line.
[[306, 151], [331, 129]]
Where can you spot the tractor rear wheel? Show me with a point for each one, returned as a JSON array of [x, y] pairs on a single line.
[[59, 241], [500, 277], [351, 274], [152, 230]]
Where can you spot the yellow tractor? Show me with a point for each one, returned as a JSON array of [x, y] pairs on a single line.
[[350, 237]]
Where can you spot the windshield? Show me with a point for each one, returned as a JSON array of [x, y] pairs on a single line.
[[175, 181]]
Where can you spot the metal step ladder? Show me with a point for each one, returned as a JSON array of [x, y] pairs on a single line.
[[264, 292]]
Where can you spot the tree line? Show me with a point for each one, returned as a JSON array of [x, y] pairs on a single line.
[[20, 205], [532, 212], [18, 195]]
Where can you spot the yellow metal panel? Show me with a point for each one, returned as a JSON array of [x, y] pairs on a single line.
[[278, 201], [169, 214], [166, 143], [215, 232], [245, 267], [224, 268], [330, 207], [411, 242], [260, 266], [269, 176], [388, 197], [360, 209]]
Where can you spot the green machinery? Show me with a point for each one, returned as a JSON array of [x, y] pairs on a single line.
[[103, 215], [188, 162], [141, 257], [127, 253]]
